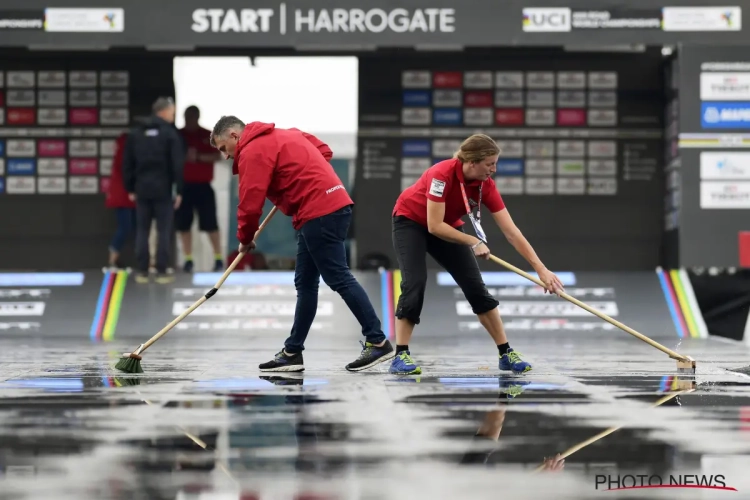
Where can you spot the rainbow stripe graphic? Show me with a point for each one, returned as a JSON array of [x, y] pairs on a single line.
[[108, 306], [683, 306]]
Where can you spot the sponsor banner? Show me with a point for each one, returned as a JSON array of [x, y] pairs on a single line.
[[478, 79], [540, 185], [20, 79], [51, 80], [540, 117], [602, 167], [445, 147], [33, 293], [104, 184], [447, 116], [82, 79], [83, 98], [509, 98], [725, 195], [51, 98], [249, 308], [510, 149], [83, 185], [2, 166], [478, 99], [536, 166], [616, 19], [83, 147], [114, 79], [416, 79], [571, 80], [20, 98], [546, 324], [602, 99], [725, 165], [537, 292], [21, 147], [548, 19], [241, 325], [114, 116], [571, 167], [537, 308], [571, 117], [415, 116], [246, 291], [447, 98], [602, 186], [105, 166], [84, 116], [701, 18], [509, 80], [52, 116], [415, 98], [540, 98], [52, 185], [540, 80], [570, 186], [568, 149], [478, 116], [20, 116], [447, 79], [509, 117], [571, 99], [20, 325], [114, 98], [20, 166], [22, 309], [509, 167], [538, 148], [725, 114], [107, 147], [602, 80], [19, 184], [84, 166], [416, 147], [51, 147], [43, 279], [509, 185], [602, 117], [21, 19], [602, 149], [84, 20], [52, 166]]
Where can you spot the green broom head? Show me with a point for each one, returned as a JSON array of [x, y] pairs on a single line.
[[130, 363]]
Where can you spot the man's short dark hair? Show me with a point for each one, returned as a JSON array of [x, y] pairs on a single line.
[[224, 124], [161, 104], [193, 109]]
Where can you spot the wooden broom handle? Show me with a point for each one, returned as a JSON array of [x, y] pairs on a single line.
[[210, 293], [671, 353]]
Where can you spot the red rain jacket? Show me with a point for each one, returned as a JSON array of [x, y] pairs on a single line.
[[117, 197], [291, 169]]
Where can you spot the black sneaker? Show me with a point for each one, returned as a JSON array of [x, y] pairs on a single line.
[[284, 363], [188, 266], [371, 355], [218, 265]]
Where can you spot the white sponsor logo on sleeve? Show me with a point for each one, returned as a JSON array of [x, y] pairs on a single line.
[[437, 187]]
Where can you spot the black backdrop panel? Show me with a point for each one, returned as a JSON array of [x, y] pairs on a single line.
[[61, 117], [582, 147]]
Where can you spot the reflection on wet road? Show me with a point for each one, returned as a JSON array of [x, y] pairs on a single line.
[[210, 426]]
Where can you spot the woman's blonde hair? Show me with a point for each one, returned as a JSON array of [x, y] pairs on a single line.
[[476, 148]]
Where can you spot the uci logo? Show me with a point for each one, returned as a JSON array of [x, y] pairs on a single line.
[[542, 19], [712, 115]]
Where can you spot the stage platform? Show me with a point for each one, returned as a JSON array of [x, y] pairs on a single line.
[[203, 423]]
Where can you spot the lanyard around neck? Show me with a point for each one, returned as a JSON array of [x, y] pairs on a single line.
[[466, 202]]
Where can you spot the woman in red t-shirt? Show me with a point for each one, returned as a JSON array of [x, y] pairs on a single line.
[[427, 219], [117, 198]]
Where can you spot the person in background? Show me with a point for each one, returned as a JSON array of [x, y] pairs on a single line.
[[198, 195], [152, 170], [118, 200]]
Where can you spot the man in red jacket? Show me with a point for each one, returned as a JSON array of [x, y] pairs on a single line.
[[291, 169], [117, 199]]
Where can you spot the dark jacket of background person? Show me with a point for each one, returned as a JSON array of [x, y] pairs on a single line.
[[153, 160]]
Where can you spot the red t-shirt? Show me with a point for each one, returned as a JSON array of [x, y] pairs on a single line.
[[197, 172], [442, 183]]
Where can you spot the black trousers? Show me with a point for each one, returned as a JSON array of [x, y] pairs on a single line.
[[146, 211], [412, 243]]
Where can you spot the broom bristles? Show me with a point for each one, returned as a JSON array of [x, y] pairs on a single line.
[[129, 365]]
